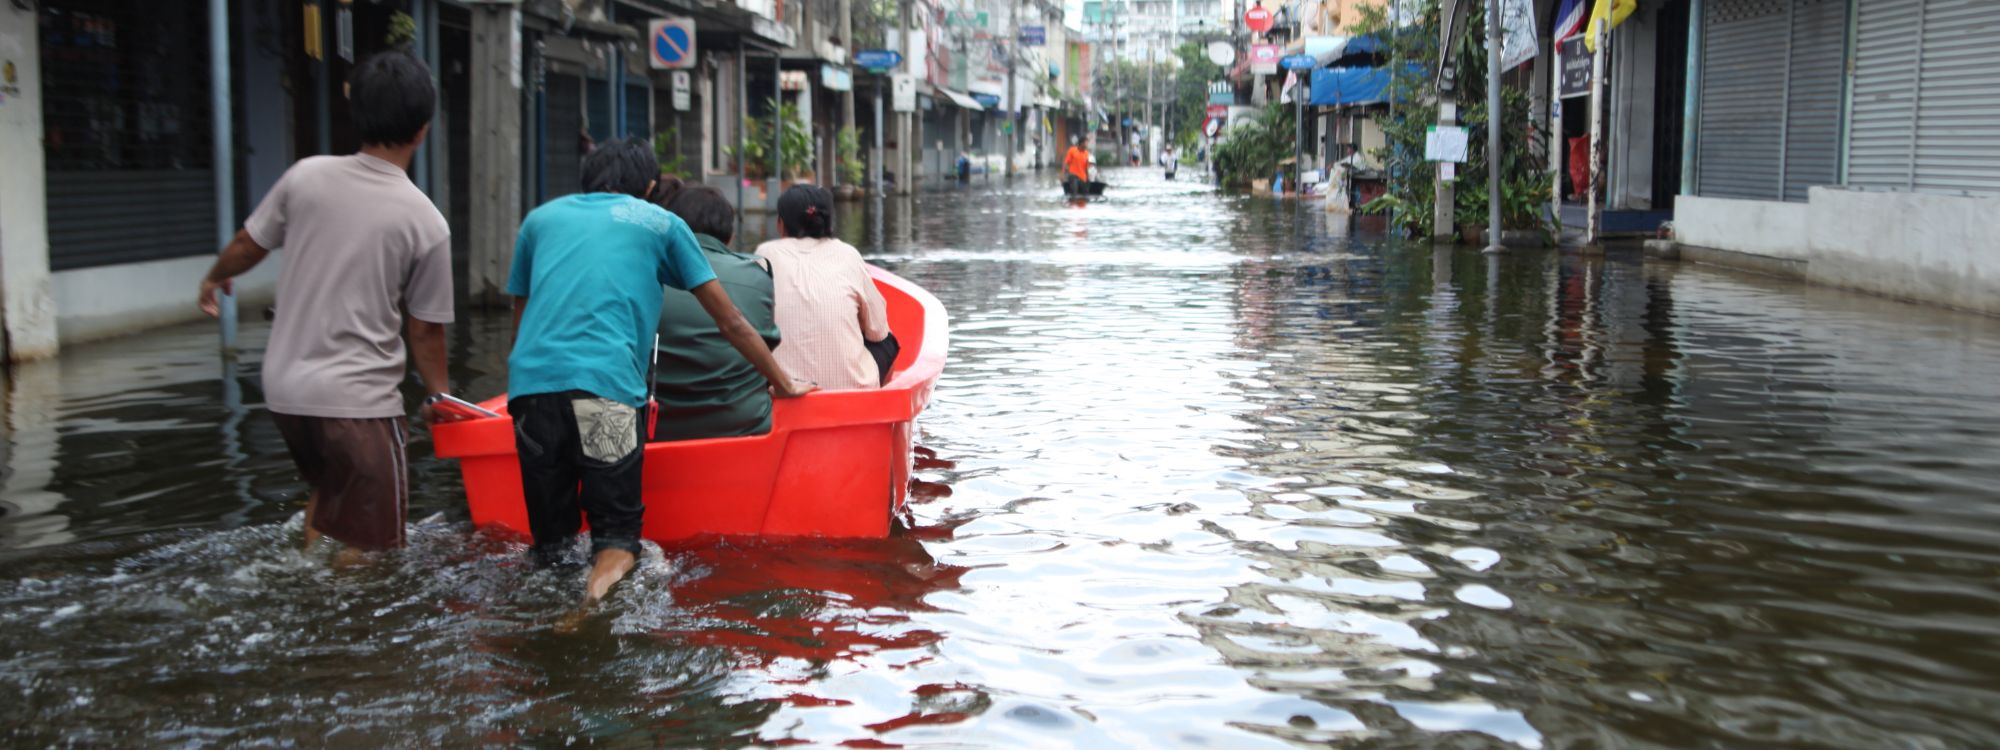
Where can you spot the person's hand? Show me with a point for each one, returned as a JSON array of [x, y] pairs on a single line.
[[207, 298], [793, 388]]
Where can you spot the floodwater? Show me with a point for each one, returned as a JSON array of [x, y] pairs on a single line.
[[1207, 473]]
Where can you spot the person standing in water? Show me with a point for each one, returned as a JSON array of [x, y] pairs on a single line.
[[587, 284], [367, 255], [1076, 167]]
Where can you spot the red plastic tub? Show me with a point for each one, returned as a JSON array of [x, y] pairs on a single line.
[[835, 464]]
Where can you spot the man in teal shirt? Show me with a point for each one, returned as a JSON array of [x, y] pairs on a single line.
[[704, 387], [587, 277]]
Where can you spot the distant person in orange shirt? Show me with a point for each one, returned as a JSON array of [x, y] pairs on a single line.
[[1076, 166]]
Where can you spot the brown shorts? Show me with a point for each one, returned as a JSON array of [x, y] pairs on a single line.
[[361, 472]]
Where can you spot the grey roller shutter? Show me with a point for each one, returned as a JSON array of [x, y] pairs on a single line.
[[1770, 97], [1958, 112], [1812, 104], [1925, 112], [1742, 58]]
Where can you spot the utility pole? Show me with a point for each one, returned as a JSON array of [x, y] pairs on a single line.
[[906, 161], [1443, 211], [1013, 47], [1493, 117], [1146, 110], [847, 42], [1595, 221]]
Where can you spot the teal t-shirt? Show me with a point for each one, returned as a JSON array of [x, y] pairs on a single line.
[[591, 267]]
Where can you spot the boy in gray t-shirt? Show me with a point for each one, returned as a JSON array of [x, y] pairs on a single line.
[[364, 249]]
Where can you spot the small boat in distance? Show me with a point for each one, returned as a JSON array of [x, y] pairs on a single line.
[[835, 463]]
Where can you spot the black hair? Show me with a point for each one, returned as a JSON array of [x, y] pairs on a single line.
[[665, 190], [806, 211], [390, 98], [705, 211], [621, 165]]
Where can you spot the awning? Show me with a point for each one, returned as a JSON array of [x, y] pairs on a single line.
[[1332, 87], [1047, 102], [959, 99]]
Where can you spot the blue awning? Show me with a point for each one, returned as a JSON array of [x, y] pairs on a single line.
[[1333, 87]]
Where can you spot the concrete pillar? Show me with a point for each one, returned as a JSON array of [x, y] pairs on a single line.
[[29, 311], [1443, 216], [495, 177]]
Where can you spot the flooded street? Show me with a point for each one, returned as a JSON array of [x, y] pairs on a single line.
[[1203, 471]]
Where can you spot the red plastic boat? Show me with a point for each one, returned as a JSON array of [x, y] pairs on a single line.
[[835, 464]]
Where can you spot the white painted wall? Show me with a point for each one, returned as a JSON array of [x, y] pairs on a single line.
[[25, 305], [97, 303], [1768, 228], [1941, 249]]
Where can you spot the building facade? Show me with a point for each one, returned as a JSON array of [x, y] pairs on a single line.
[[1851, 142]]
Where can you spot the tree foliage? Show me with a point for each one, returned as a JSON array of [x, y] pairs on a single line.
[[1251, 150]]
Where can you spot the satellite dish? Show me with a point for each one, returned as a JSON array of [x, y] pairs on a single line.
[[1221, 53]]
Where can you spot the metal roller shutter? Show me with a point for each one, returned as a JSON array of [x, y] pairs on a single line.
[[1742, 56], [1925, 112], [564, 156], [1958, 110], [1813, 101], [126, 132], [1770, 97]]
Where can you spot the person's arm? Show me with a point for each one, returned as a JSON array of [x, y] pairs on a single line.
[[427, 352], [239, 257], [874, 311], [715, 301]]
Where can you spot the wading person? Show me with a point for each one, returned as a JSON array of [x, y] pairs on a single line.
[[364, 251], [705, 387], [1076, 167], [587, 277], [827, 305]]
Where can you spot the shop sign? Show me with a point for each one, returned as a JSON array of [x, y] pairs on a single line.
[[1299, 62], [1575, 67], [836, 78], [1034, 36], [1264, 59]]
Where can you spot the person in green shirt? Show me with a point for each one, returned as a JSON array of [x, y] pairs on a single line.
[[704, 387]]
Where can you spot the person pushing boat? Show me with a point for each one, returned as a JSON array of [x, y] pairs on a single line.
[[1076, 167], [587, 277]]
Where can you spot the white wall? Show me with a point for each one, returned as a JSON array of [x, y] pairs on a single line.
[[1935, 248], [97, 303], [1767, 228], [29, 314]]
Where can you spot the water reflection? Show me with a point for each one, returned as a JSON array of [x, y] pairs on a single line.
[[1204, 471]]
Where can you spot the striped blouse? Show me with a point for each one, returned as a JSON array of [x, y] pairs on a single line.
[[826, 305]]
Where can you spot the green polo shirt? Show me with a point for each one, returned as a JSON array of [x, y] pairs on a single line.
[[705, 388]]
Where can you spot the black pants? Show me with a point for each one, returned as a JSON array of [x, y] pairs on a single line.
[[595, 462]]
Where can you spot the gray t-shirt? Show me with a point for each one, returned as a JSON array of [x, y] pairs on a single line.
[[362, 246]]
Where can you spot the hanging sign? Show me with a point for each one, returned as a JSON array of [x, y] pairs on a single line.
[[835, 78], [1263, 59], [1517, 24], [878, 60], [672, 43], [1034, 36], [1257, 18], [683, 87], [1299, 62]]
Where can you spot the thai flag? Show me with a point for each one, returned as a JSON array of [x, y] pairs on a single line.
[[1570, 19]]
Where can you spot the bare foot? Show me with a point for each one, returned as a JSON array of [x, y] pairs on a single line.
[[610, 568]]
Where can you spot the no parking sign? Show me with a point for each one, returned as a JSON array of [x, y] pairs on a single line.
[[671, 43]]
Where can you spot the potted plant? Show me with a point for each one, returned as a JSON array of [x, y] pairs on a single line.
[[847, 159]]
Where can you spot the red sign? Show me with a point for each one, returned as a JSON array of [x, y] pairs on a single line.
[[1258, 19], [1263, 59]]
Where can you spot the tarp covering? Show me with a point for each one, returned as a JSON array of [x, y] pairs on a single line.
[[1333, 87]]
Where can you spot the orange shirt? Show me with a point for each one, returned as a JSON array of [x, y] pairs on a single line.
[[1077, 162]]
